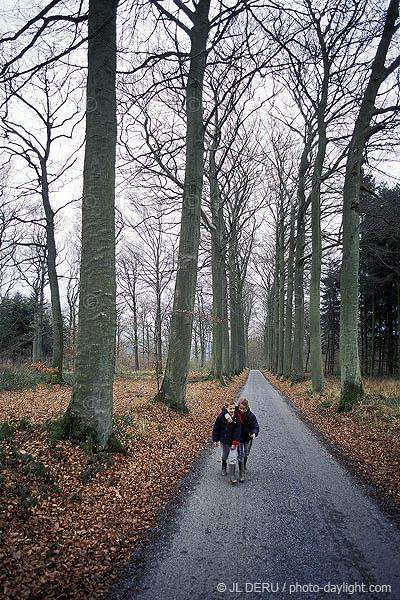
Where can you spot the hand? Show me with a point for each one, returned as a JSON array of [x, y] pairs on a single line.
[[216, 444], [233, 447], [253, 435]]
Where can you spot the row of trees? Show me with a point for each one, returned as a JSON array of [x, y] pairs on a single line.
[[379, 307], [183, 118], [19, 317]]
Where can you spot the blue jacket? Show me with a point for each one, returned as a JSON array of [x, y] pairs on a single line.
[[224, 432], [249, 425]]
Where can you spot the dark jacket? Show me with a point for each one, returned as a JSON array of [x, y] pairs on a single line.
[[249, 425], [224, 432]]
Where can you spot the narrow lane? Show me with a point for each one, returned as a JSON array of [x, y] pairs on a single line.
[[299, 527]]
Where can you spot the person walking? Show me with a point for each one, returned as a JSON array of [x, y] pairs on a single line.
[[249, 431], [227, 431]]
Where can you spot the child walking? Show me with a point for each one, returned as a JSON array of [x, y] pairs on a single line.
[[226, 430], [249, 431]]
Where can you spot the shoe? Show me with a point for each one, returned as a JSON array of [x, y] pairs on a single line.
[[232, 474]]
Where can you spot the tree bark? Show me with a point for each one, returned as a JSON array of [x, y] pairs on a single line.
[[57, 322], [281, 292], [351, 383], [298, 341], [241, 324], [288, 348], [135, 330], [89, 414], [173, 390], [220, 366], [315, 284], [398, 326], [372, 356], [233, 306], [37, 347]]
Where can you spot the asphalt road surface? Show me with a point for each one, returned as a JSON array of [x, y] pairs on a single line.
[[300, 526]]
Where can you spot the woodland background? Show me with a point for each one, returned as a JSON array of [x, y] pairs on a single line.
[[186, 185]]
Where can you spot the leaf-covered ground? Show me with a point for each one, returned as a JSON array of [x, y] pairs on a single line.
[[369, 435], [68, 519]]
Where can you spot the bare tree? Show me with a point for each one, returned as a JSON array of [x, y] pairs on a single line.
[[128, 266], [31, 264], [33, 140], [89, 414], [370, 120]]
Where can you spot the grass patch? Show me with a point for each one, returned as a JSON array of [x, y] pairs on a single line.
[[124, 373], [197, 376], [18, 378]]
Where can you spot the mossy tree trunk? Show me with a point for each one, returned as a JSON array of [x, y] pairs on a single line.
[[173, 390], [89, 414], [351, 383]]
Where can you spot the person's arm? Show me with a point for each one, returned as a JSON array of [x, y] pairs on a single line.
[[216, 433], [237, 430], [254, 426]]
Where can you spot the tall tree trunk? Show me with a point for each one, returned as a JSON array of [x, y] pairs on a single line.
[[225, 330], [288, 348], [364, 333], [315, 283], [281, 293], [351, 383], [157, 336], [275, 322], [298, 339], [90, 411], [135, 330], [37, 347], [57, 322], [241, 325], [233, 306], [148, 346], [202, 344], [196, 345], [220, 366], [266, 343], [372, 354], [398, 326], [173, 390], [246, 343]]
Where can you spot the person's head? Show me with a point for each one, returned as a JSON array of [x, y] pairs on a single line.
[[243, 405], [230, 407]]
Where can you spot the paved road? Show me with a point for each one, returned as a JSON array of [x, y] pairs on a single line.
[[300, 525]]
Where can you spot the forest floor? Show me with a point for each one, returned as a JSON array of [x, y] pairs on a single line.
[[68, 520], [368, 436]]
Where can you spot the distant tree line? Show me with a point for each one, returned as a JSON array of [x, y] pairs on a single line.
[[18, 329], [379, 284], [240, 133]]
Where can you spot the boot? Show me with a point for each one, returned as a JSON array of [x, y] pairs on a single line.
[[244, 464], [223, 472], [232, 474], [241, 472]]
